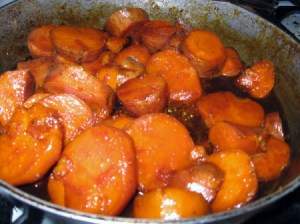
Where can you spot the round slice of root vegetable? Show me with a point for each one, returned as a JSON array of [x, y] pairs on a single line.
[[75, 114], [225, 135], [125, 21], [169, 204], [138, 53], [155, 34], [270, 164], [143, 95], [31, 145], [73, 79], [273, 125], [38, 67], [15, 88], [183, 82], [240, 182], [206, 52], [39, 42], [258, 80], [116, 44], [34, 99], [96, 172], [77, 43], [105, 58], [163, 145], [225, 106], [110, 75], [233, 65], [204, 178], [118, 121]]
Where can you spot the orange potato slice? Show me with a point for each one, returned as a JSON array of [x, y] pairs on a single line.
[[258, 80], [96, 172], [34, 99], [125, 21], [225, 135], [273, 125], [155, 34], [119, 121], [38, 67], [169, 204], [105, 58], [183, 82], [233, 65], [77, 43], [39, 42], [15, 88], [143, 95], [163, 145], [225, 106], [31, 145], [75, 114], [270, 164], [72, 79], [116, 44], [240, 182], [206, 52], [204, 178]]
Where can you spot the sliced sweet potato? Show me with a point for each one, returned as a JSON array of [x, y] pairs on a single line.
[[233, 65], [138, 53], [225, 106], [34, 99], [258, 80], [96, 172], [72, 79], [116, 44], [143, 95], [39, 42], [240, 182], [183, 82], [163, 145], [169, 204], [15, 88], [155, 34], [119, 121], [225, 135], [105, 58], [75, 114], [125, 21], [31, 145], [38, 67], [182, 31], [204, 178], [63, 59], [273, 125], [270, 164], [206, 52], [110, 74], [77, 43]]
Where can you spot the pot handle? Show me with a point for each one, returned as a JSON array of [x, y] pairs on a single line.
[[11, 212]]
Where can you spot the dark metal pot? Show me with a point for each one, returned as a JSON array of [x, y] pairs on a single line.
[[252, 36]]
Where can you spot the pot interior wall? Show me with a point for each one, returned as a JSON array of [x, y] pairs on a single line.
[[252, 36]]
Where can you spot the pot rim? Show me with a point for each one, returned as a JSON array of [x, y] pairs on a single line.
[[11, 192]]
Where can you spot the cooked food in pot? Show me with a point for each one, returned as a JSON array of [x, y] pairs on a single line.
[[130, 118]]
